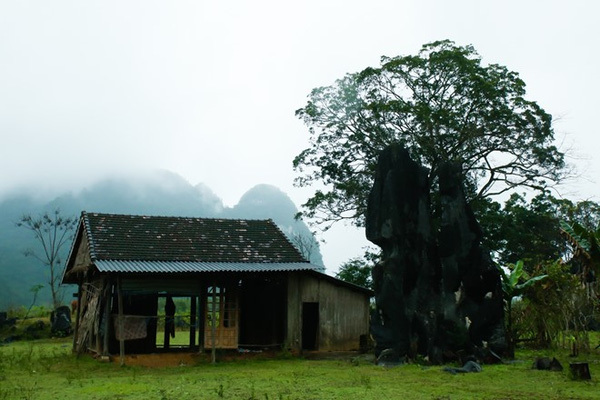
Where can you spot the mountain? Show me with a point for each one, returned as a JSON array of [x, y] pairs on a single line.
[[160, 193]]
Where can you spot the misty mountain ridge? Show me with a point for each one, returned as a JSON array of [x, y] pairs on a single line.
[[160, 193]]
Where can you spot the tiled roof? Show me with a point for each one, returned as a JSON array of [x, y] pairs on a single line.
[[179, 239]]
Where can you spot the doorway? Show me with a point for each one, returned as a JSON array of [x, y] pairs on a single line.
[[221, 318], [310, 326], [176, 324]]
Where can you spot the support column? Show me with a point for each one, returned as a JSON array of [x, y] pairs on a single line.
[[193, 301], [76, 333], [213, 321], [166, 336], [201, 317], [108, 290], [120, 324]]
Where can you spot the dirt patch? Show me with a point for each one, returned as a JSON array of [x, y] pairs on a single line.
[[176, 359]]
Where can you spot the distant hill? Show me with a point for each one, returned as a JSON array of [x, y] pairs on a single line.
[[161, 193]]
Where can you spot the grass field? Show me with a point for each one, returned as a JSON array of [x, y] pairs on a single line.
[[46, 369]]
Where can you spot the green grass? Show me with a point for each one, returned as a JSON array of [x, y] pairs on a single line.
[[182, 338], [46, 369]]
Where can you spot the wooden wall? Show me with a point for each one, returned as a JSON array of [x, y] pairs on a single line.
[[343, 313]]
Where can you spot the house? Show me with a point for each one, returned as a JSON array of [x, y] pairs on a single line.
[[245, 286]]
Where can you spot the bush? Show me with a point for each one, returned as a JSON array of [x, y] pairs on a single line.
[[557, 311]]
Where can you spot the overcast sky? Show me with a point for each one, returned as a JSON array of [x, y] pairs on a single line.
[[208, 89]]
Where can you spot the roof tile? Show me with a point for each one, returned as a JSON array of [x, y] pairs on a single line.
[[154, 238]]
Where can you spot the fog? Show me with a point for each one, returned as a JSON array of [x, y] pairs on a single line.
[[208, 90]]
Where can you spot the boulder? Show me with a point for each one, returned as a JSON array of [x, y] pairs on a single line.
[[437, 290], [61, 321]]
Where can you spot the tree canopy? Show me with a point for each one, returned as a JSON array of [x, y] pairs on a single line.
[[531, 230], [357, 271], [442, 105]]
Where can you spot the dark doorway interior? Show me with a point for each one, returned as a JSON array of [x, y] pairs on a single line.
[[310, 326], [263, 313], [137, 308]]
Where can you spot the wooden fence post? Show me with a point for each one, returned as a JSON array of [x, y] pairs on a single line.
[[121, 330]]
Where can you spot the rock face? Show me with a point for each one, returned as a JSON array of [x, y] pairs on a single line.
[[437, 291]]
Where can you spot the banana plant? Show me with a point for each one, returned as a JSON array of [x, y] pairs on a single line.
[[586, 245], [511, 288]]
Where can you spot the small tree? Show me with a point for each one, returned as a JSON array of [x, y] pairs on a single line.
[[357, 271], [35, 289], [511, 289], [557, 311], [52, 231]]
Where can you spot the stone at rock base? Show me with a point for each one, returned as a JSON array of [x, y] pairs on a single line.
[[545, 363]]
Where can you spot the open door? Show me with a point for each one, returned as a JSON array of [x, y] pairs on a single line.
[[221, 313], [176, 322], [310, 326]]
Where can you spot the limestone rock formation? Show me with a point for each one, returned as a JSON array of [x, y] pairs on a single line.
[[437, 291]]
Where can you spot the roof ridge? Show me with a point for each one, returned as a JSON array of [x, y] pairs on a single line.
[[178, 217]]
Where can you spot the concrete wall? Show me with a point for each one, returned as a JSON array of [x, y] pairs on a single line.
[[343, 312]]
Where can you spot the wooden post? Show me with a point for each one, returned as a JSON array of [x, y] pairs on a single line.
[[76, 333], [107, 301], [121, 328], [97, 324], [201, 317], [167, 338], [192, 321], [214, 325]]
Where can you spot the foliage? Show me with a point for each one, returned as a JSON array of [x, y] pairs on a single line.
[[557, 311], [443, 105], [47, 370], [35, 289], [357, 271], [510, 282], [530, 230], [52, 231], [35, 326], [586, 246], [511, 288]]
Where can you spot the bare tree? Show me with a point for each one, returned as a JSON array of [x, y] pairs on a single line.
[[306, 245], [52, 231]]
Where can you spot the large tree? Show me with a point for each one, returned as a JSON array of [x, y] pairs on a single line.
[[442, 105]]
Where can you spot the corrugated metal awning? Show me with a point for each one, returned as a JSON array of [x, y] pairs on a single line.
[[194, 266]]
